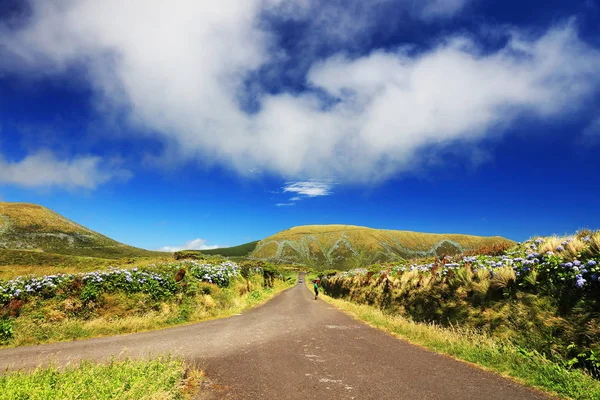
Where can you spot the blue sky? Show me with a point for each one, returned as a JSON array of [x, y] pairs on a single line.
[[202, 125]]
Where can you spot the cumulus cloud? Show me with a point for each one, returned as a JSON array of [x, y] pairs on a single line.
[[196, 244], [181, 72], [44, 169]]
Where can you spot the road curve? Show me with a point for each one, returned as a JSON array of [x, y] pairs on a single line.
[[293, 347]]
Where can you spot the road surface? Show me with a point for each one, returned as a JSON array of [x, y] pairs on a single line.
[[293, 347]]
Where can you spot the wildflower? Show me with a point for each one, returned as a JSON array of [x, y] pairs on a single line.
[[591, 263], [587, 239], [580, 282], [577, 263], [560, 248]]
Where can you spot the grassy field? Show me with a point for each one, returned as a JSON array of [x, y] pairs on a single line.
[[347, 246], [162, 378], [32, 227], [15, 263], [473, 346]]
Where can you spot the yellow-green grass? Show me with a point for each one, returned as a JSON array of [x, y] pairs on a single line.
[[472, 346], [32, 227], [160, 378], [33, 217], [342, 247], [15, 263], [47, 321]]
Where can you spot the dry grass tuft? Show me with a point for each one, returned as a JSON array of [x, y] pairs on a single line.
[[575, 247], [503, 278], [550, 244]]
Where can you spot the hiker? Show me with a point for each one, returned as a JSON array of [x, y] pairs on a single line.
[[316, 286]]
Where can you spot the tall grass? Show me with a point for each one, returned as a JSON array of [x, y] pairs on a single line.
[[526, 367], [161, 378]]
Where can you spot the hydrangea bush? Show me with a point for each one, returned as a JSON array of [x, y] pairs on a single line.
[[220, 274], [552, 268], [158, 281], [543, 294]]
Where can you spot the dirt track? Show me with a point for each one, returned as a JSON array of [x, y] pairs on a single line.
[[293, 348]]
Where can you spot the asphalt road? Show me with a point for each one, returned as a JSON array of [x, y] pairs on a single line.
[[293, 347]]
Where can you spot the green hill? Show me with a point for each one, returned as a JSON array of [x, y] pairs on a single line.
[[236, 251], [348, 246], [32, 228]]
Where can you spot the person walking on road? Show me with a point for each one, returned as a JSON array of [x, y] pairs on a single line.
[[316, 286]]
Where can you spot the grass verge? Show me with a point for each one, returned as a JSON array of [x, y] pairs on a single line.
[[528, 368], [160, 378], [42, 323]]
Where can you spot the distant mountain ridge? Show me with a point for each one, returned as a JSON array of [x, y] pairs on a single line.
[[32, 227], [346, 246]]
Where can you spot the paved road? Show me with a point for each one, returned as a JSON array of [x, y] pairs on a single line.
[[293, 347]]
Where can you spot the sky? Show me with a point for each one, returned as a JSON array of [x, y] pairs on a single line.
[[170, 125]]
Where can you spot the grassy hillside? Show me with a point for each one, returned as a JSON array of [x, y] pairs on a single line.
[[346, 246], [31, 227], [236, 251]]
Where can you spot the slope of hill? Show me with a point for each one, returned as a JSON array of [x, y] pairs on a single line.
[[346, 246], [241, 250], [29, 227]]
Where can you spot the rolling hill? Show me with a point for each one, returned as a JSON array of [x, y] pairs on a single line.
[[347, 246], [241, 250], [33, 228]]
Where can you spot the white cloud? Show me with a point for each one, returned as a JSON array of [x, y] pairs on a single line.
[[179, 72], [307, 189], [285, 204], [196, 244], [44, 169]]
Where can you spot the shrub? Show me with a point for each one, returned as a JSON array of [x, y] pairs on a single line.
[[6, 330]]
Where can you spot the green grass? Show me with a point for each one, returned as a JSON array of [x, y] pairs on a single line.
[[528, 368], [33, 227], [235, 251], [15, 263], [56, 320], [162, 378]]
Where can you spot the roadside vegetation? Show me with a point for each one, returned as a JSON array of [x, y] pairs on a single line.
[[535, 304], [161, 378], [42, 309], [501, 356]]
